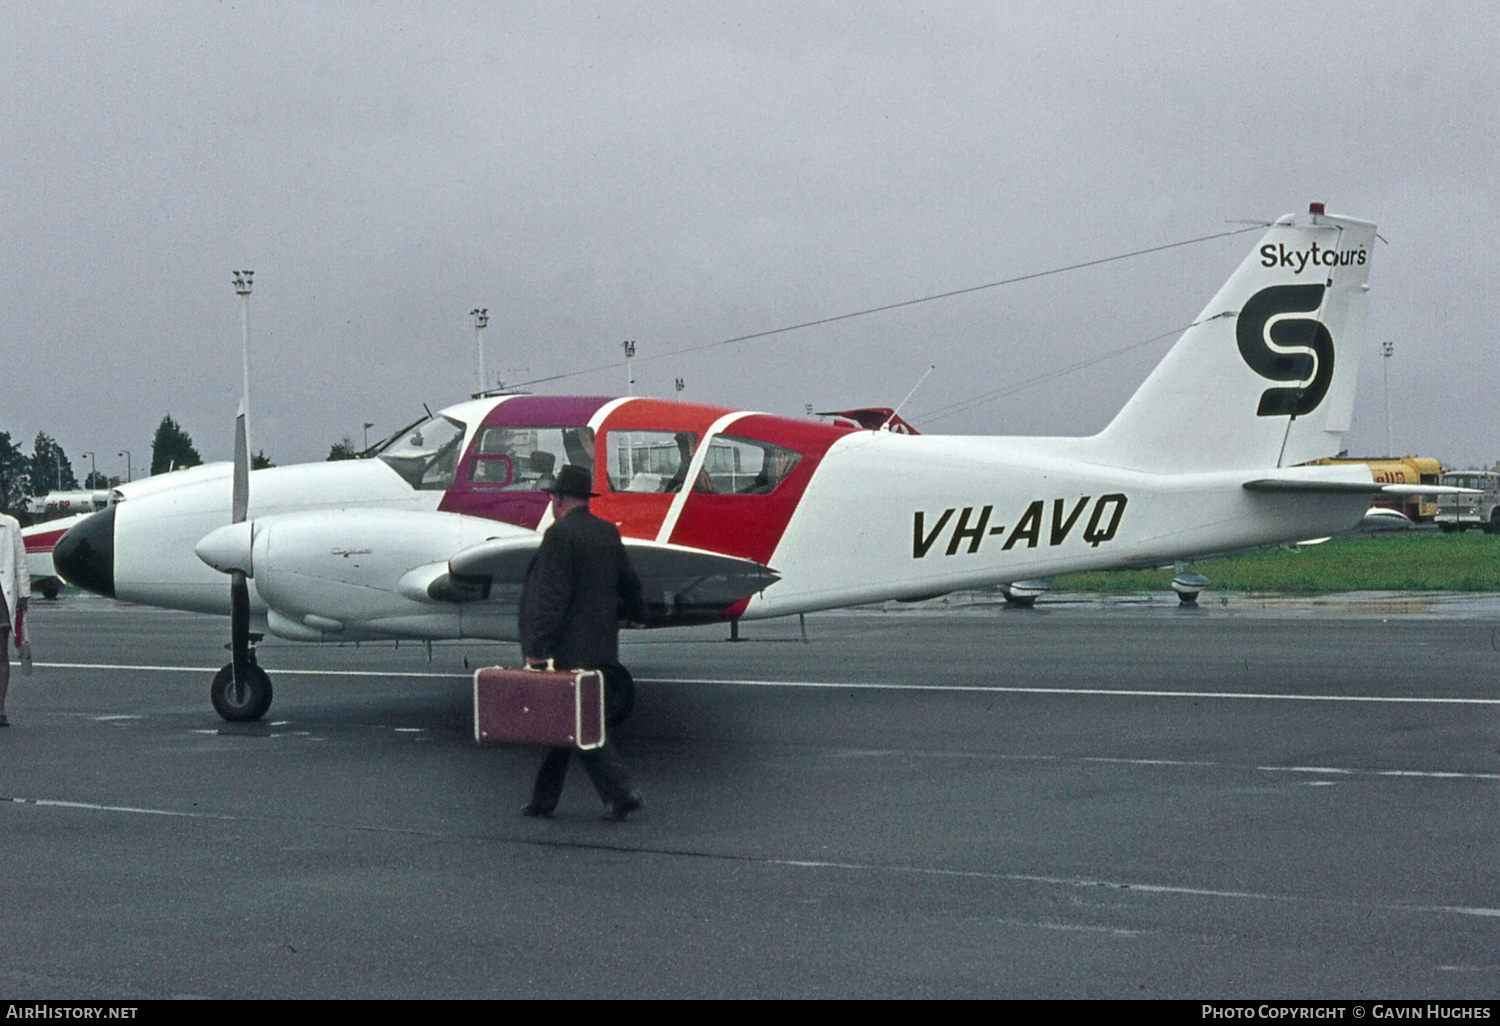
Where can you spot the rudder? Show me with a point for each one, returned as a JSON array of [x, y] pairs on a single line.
[[1266, 375]]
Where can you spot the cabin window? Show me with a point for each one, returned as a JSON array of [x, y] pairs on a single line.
[[426, 454], [744, 466], [527, 459], [651, 462]]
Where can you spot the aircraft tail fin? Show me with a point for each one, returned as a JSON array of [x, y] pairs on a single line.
[[1265, 377]]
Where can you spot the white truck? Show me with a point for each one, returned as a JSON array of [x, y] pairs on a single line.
[[1461, 512]]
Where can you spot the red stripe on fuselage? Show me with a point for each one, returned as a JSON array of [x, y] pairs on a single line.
[[640, 515], [43, 541], [751, 526]]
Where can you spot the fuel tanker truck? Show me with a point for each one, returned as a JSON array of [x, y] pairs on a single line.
[[1408, 470]]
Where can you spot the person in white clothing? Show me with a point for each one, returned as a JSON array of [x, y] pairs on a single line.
[[15, 592]]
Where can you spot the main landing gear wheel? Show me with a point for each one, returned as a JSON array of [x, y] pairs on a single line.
[[254, 698]]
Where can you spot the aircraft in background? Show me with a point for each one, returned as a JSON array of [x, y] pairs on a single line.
[[40, 540], [734, 515]]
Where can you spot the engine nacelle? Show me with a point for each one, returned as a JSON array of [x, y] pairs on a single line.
[[335, 574]]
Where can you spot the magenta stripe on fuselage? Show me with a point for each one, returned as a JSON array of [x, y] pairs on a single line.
[[547, 410], [523, 508]]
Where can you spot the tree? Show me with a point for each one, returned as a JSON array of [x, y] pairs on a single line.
[[260, 461], [50, 468], [14, 470], [343, 449], [172, 449], [96, 479]]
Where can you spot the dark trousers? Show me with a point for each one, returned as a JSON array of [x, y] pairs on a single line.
[[603, 765]]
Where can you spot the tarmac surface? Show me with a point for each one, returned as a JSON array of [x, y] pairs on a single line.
[[1090, 799]]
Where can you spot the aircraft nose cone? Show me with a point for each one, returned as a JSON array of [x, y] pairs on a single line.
[[228, 549], [85, 555]]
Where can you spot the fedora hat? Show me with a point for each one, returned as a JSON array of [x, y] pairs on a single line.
[[574, 482]]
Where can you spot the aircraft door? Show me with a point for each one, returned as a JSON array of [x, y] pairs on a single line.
[[643, 471], [646, 448]]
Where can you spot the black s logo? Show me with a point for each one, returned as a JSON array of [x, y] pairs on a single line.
[[1296, 349]]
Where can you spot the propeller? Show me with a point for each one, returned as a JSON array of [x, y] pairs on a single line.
[[241, 690], [239, 588]]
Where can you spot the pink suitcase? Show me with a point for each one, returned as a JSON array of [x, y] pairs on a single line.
[[560, 708]]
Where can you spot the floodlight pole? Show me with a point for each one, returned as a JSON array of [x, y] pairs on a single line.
[[368, 426], [629, 348], [93, 469], [481, 317], [128, 475], [1386, 349], [243, 281]]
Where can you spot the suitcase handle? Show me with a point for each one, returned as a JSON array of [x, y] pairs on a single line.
[[550, 667]]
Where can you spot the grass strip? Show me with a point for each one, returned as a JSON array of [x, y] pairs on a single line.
[[1398, 561]]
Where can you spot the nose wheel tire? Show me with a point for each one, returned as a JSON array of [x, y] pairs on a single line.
[[252, 701]]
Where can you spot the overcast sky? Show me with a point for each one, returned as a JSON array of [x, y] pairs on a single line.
[[680, 174]]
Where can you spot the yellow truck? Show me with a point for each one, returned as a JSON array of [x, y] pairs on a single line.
[[1410, 470]]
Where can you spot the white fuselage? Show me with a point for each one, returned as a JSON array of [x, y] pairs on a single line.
[[853, 540], [885, 516]]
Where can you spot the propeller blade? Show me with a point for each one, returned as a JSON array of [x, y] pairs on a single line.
[[239, 631], [239, 590], [241, 502]]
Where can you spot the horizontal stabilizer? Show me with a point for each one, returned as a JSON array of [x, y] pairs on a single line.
[[1273, 484], [1406, 489], [1326, 487]]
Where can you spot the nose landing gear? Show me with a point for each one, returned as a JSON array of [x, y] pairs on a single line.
[[247, 701]]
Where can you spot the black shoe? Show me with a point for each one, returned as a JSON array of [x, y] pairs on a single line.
[[536, 811], [4, 720], [620, 809]]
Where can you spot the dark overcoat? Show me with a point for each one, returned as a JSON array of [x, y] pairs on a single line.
[[577, 588]]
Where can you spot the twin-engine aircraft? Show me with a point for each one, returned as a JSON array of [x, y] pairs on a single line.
[[738, 515]]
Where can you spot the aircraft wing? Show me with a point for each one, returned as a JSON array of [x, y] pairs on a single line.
[[676, 580]]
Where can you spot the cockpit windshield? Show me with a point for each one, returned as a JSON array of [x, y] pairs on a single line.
[[426, 455]]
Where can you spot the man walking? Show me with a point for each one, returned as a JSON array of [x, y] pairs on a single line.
[[578, 584], [15, 591]]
